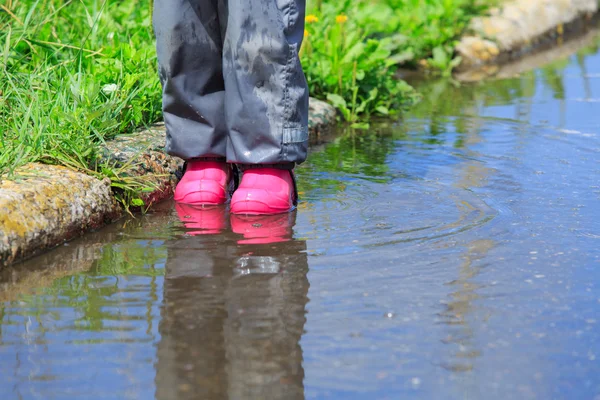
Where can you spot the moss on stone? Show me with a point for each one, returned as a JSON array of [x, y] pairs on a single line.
[[47, 205]]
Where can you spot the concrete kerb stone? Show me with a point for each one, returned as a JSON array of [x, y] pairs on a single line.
[[48, 205], [521, 27], [532, 61]]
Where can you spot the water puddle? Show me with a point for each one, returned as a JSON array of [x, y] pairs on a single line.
[[452, 254]]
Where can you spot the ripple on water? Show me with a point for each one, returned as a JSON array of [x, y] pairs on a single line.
[[368, 215]]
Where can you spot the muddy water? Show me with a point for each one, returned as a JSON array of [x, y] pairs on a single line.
[[452, 254]]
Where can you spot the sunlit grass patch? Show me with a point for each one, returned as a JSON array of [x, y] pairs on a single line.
[[352, 49], [74, 74]]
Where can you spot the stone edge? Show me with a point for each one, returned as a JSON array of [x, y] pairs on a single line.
[[517, 29], [48, 205]]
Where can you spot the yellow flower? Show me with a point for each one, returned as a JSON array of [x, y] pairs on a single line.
[[340, 19], [311, 18], [306, 34]]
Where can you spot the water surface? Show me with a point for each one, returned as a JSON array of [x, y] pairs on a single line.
[[451, 254]]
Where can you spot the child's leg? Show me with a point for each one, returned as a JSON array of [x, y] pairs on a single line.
[[266, 99], [189, 47]]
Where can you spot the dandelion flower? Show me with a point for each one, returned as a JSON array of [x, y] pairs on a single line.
[[306, 34], [311, 18], [340, 19]]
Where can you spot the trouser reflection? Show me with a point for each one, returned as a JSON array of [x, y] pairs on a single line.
[[232, 318]]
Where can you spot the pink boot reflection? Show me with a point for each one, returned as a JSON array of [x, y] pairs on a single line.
[[263, 229], [204, 220]]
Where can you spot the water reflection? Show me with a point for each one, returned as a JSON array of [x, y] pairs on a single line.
[[459, 310], [233, 313]]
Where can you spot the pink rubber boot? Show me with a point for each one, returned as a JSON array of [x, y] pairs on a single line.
[[203, 183], [264, 191]]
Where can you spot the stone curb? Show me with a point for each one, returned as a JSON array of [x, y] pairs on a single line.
[[520, 27], [48, 205], [532, 61]]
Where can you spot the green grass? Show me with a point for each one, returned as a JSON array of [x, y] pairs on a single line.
[[75, 73], [423, 24], [354, 47]]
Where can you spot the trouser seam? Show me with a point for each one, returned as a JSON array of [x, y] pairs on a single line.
[[287, 109], [288, 14]]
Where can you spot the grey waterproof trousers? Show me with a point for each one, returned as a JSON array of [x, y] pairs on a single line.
[[233, 86]]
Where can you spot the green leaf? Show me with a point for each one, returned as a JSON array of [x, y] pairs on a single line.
[[373, 94], [401, 58], [361, 108], [440, 57], [108, 172], [337, 101], [382, 110], [137, 202], [360, 125], [7, 46], [455, 62], [353, 53]]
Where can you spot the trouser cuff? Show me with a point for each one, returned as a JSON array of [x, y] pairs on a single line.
[[285, 166], [217, 159]]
